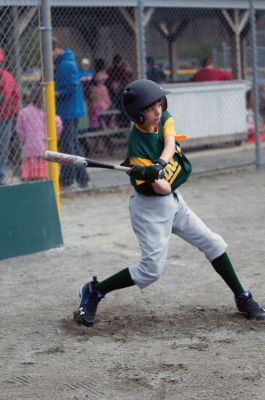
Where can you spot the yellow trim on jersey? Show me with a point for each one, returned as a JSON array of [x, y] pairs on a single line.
[[168, 129], [140, 162], [141, 129]]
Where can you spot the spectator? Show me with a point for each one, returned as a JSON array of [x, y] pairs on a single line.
[[262, 102], [209, 73], [99, 100], [31, 132], [153, 72], [70, 107], [85, 75], [251, 120], [9, 107], [119, 76]]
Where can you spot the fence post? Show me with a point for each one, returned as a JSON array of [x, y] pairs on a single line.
[[48, 82], [17, 50], [141, 43], [255, 79]]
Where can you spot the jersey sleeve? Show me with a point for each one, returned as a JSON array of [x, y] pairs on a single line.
[[169, 130], [169, 127]]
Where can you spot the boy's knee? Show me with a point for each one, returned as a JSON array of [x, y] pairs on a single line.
[[216, 248], [144, 274]]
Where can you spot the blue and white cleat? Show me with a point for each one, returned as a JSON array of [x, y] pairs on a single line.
[[248, 306], [89, 302]]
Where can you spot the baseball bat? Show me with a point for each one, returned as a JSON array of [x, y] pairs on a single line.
[[70, 159]]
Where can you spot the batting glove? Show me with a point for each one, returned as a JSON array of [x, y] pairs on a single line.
[[161, 162], [148, 174]]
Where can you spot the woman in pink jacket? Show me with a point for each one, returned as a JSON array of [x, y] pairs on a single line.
[[99, 99], [31, 131]]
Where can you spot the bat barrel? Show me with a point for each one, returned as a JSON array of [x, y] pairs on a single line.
[[161, 174], [66, 159]]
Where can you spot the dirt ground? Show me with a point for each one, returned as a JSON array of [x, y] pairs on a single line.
[[179, 339]]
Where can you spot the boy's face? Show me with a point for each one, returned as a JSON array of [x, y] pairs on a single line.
[[153, 113]]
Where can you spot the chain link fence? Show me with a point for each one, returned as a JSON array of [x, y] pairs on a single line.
[[20, 72], [112, 46]]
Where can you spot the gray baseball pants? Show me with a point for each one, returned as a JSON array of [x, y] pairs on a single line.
[[153, 219]]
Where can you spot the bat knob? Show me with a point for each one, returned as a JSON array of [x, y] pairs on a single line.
[[161, 174]]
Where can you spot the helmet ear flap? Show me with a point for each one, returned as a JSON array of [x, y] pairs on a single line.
[[139, 118]]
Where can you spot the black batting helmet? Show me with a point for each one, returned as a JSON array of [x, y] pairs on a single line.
[[140, 94]]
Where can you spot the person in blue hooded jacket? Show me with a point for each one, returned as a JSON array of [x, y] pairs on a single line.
[[70, 107]]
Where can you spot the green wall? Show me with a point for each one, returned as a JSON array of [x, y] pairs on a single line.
[[29, 219]]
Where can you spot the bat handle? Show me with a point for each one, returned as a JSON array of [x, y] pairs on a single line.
[[161, 173], [121, 168]]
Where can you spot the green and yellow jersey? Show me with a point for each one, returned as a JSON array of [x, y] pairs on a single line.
[[145, 147]]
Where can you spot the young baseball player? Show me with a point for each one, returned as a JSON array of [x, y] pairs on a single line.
[[157, 208]]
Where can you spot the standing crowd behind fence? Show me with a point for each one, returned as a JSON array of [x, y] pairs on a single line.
[[103, 51]]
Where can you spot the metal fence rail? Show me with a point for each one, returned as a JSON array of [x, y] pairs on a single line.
[[114, 43]]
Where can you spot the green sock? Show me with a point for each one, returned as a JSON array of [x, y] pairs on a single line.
[[224, 268], [118, 281]]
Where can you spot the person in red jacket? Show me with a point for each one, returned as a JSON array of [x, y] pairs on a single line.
[[208, 73], [9, 107]]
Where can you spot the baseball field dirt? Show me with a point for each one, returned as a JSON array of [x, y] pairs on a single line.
[[179, 339]]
